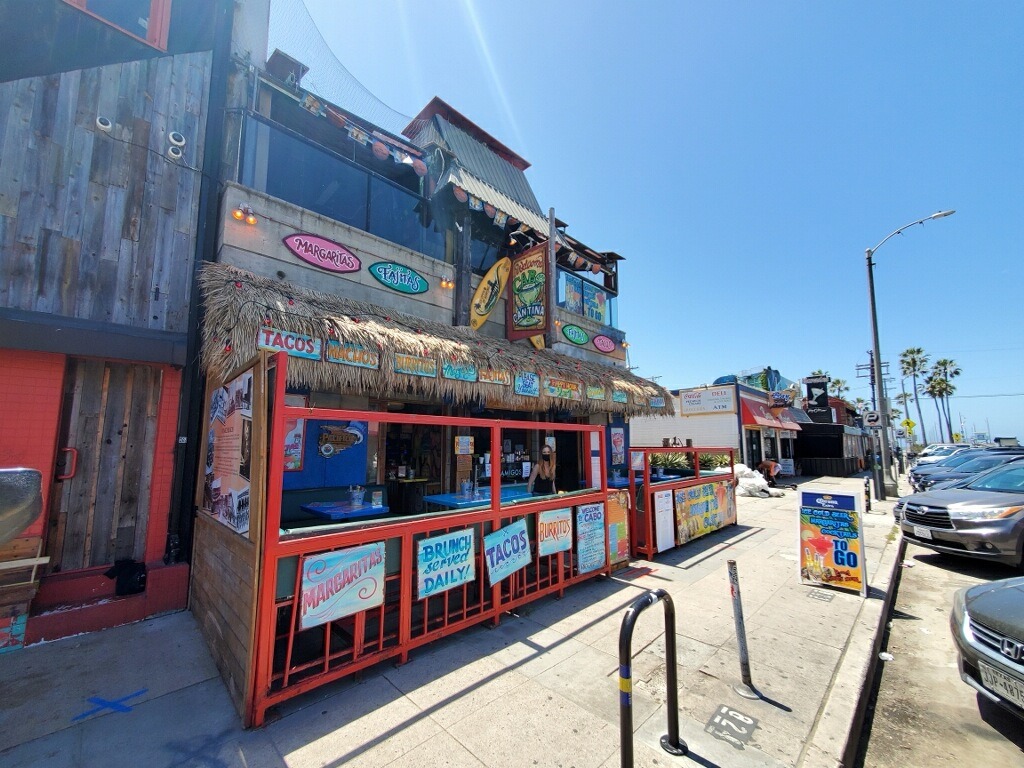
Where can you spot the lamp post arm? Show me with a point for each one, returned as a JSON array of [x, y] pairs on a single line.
[[899, 231]]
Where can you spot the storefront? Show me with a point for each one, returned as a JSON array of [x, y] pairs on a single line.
[[365, 478], [768, 433]]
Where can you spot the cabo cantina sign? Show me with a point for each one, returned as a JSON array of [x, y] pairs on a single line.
[[527, 311], [323, 253]]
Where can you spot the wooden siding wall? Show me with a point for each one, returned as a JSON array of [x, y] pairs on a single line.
[[102, 226], [223, 600]]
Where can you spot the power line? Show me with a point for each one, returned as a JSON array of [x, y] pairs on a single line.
[[1007, 394]]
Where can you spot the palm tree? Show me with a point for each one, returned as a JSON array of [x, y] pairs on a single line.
[[947, 370], [935, 388], [914, 363], [839, 387], [860, 404], [819, 372]]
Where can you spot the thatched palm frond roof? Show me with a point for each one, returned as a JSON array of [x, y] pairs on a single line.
[[239, 305]]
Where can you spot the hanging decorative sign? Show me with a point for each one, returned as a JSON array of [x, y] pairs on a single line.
[[494, 376], [527, 306], [567, 390], [399, 277], [295, 344], [464, 445], [595, 392], [443, 562], [604, 344], [554, 531], [577, 335], [595, 303], [414, 365], [460, 194], [657, 402], [527, 384], [350, 353], [506, 551], [488, 292], [619, 397], [323, 253], [341, 583], [573, 292], [459, 371]]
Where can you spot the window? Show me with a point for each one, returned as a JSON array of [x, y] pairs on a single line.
[[145, 19], [582, 297]]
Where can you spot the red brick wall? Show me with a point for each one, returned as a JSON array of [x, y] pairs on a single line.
[[30, 401]]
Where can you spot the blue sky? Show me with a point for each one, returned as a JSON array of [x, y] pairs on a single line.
[[742, 157]]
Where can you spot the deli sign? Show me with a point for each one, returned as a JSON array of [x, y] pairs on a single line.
[[322, 253]]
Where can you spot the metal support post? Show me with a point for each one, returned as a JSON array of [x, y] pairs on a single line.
[[670, 742]]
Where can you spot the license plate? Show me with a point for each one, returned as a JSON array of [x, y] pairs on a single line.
[[922, 533], [1002, 684]]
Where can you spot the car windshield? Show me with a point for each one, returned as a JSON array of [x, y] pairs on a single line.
[[1009, 479], [982, 463], [957, 459]]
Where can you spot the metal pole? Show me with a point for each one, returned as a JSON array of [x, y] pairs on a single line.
[[746, 690], [671, 742], [881, 482]]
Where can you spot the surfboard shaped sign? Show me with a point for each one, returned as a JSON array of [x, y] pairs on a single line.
[[488, 292], [323, 253], [399, 277]]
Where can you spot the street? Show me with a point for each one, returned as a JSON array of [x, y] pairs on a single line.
[[924, 714]]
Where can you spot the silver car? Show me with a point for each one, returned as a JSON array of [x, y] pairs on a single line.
[[982, 517], [987, 623]]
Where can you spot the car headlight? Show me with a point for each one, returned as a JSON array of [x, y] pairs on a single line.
[[994, 513]]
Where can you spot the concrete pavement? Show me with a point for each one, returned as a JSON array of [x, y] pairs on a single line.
[[541, 689]]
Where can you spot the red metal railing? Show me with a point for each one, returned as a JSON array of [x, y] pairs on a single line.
[[642, 537], [290, 660]]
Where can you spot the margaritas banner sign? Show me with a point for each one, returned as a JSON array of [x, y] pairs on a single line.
[[832, 541]]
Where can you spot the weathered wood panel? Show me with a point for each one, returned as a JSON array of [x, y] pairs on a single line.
[[104, 508], [75, 197]]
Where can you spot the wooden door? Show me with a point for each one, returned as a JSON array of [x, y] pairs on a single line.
[[101, 510]]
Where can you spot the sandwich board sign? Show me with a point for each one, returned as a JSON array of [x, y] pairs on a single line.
[[832, 540]]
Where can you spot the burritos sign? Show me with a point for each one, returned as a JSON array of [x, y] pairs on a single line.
[[323, 253]]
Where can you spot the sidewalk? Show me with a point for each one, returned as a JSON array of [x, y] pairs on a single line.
[[541, 689]]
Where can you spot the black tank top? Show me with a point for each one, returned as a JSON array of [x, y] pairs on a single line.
[[543, 486]]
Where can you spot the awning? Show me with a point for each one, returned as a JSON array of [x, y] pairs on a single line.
[[460, 177], [788, 419], [759, 414], [346, 345]]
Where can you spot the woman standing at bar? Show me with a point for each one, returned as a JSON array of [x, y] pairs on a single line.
[[542, 478]]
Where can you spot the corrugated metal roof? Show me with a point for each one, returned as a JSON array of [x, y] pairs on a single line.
[[474, 186], [487, 166]]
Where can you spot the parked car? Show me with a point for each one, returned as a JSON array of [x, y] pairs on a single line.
[[987, 622], [928, 456], [976, 465], [953, 460], [982, 517]]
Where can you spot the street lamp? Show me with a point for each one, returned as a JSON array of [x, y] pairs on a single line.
[[884, 482]]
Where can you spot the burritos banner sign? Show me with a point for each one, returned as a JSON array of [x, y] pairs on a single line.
[[527, 304]]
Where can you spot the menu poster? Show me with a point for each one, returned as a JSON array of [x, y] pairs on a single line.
[[590, 546], [229, 453], [832, 540], [664, 528], [618, 526]]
